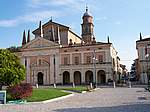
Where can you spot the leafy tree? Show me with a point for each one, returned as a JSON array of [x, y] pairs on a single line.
[[14, 49], [11, 71]]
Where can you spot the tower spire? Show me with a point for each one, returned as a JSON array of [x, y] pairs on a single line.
[[24, 38], [86, 8], [140, 36], [41, 29], [51, 19], [28, 39], [108, 39]]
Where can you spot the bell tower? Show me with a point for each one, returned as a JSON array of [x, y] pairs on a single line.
[[87, 27]]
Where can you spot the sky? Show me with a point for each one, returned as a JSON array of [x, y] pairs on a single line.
[[121, 20]]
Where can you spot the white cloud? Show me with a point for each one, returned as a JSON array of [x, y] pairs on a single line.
[[36, 16], [74, 4], [101, 18], [53, 2], [43, 11], [8, 23], [32, 17]]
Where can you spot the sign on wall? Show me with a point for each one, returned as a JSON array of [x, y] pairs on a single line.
[[2, 97]]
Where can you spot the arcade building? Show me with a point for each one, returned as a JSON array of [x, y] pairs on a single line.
[[57, 55]]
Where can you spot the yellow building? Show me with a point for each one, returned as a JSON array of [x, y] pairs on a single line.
[[143, 61], [58, 55]]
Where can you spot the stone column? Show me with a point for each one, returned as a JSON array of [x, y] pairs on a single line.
[[58, 78], [46, 77], [82, 58], [71, 76], [71, 58], [83, 76], [33, 77], [82, 69], [50, 70], [28, 70]]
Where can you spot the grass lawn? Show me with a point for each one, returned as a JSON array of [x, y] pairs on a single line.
[[42, 94], [76, 89], [45, 94]]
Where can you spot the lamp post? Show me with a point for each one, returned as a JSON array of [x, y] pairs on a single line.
[[129, 77], [114, 83], [54, 72], [94, 67], [147, 57]]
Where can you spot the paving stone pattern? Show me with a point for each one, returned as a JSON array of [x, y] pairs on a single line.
[[101, 100]]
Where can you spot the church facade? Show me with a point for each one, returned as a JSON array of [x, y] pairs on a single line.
[[57, 55]]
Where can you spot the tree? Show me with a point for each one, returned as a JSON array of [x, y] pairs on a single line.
[[14, 49], [11, 71]]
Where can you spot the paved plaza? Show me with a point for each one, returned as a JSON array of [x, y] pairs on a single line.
[[101, 100]]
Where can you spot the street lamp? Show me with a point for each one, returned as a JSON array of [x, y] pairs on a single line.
[[147, 56], [94, 67], [54, 71]]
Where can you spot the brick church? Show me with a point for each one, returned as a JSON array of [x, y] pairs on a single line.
[[57, 55]]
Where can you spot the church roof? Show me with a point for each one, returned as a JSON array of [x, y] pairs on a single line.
[[87, 14], [64, 26], [50, 22], [145, 39]]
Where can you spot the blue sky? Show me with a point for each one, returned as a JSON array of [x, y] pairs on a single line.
[[122, 20]]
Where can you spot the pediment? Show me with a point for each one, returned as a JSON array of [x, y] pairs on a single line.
[[40, 43]]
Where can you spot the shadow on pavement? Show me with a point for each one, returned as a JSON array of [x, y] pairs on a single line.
[[121, 108]]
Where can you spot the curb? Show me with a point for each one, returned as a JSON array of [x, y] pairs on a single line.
[[46, 101], [51, 100], [84, 92], [96, 89], [59, 98]]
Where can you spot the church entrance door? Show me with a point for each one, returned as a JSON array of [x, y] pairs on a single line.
[[40, 78]]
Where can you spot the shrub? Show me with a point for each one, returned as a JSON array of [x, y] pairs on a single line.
[[20, 91]]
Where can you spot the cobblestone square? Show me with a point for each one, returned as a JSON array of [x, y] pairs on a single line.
[[101, 100]]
